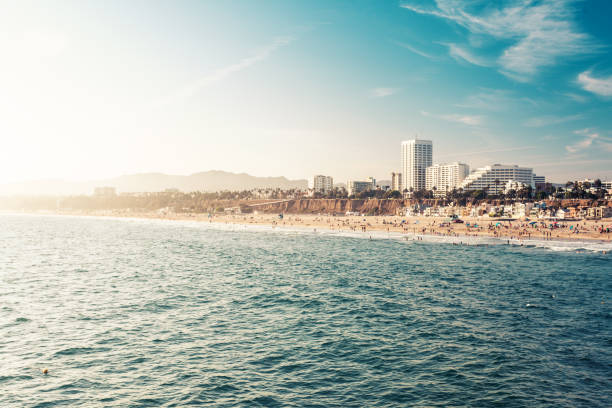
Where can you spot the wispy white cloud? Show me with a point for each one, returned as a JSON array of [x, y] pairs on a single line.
[[503, 150], [222, 73], [548, 120], [382, 92], [565, 163], [416, 51], [576, 97], [540, 32], [462, 54], [582, 144], [470, 120], [599, 86], [590, 138], [495, 100]]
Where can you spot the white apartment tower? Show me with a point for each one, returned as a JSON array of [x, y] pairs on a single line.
[[416, 157], [445, 177], [321, 184]]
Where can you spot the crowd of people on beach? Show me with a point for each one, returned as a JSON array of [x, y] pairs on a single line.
[[499, 228]]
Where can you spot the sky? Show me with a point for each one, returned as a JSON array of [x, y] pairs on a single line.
[[97, 89]]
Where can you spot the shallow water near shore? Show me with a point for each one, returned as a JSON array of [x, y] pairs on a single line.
[[154, 313]]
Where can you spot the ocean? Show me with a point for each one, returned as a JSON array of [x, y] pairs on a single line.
[[152, 313]]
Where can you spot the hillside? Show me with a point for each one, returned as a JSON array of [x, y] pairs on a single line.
[[209, 181]]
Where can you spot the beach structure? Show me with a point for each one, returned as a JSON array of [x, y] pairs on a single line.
[[442, 178], [493, 179], [416, 157], [354, 187], [321, 184], [599, 212]]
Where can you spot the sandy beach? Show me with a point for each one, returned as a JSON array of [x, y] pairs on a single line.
[[541, 229]]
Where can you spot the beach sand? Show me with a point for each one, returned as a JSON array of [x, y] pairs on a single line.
[[436, 226]]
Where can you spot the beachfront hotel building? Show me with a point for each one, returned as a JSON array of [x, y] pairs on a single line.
[[416, 157], [396, 181], [356, 187], [493, 179], [321, 184], [442, 178]]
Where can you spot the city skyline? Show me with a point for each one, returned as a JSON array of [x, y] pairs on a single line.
[[295, 89]]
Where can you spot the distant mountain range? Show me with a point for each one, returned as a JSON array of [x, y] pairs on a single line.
[[209, 181]]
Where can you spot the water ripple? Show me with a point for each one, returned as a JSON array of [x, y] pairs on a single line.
[[132, 313]]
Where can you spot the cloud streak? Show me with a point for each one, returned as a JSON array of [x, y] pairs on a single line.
[[550, 120], [590, 138], [462, 54], [470, 120], [224, 72], [382, 92], [495, 100], [599, 86], [416, 51], [509, 149], [540, 33]]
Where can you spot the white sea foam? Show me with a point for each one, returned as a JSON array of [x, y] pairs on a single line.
[[552, 245]]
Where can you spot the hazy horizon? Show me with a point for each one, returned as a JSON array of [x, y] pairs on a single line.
[[96, 90]]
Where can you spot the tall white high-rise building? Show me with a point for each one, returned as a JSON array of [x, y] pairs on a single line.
[[321, 184], [416, 157], [445, 177]]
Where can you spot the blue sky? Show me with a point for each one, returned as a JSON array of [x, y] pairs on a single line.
[[98, 89]]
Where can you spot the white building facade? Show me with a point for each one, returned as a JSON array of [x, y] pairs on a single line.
[[416, 157], [355, 187], [493, 179], [514, 185], [321, 184], [442, 178], [396, 181]]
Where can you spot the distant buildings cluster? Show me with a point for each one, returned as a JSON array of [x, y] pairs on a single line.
[[418, 173]]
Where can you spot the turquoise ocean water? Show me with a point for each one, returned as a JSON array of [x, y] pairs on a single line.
[[136, 313]]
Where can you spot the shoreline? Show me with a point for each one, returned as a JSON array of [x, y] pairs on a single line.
[[374, 227]]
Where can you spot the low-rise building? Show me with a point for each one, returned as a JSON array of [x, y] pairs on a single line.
[[396, 181], [321, 184], [599, 212], [493, 179], [354, 187], [514, 185]]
